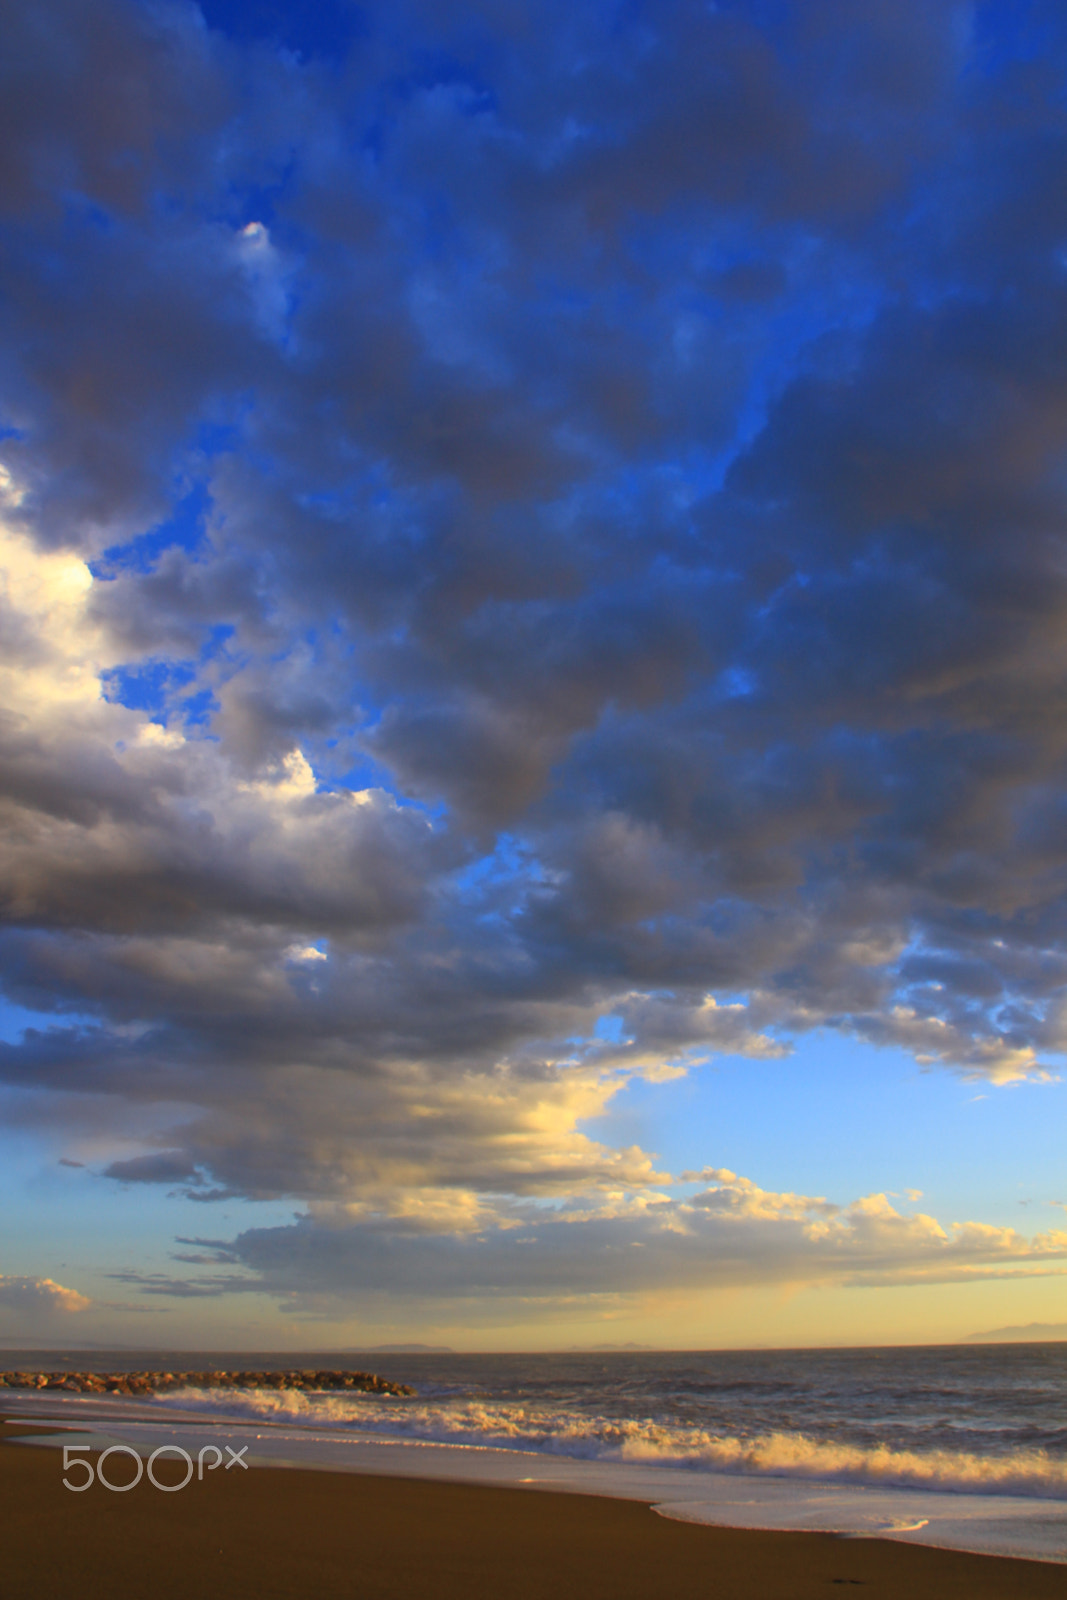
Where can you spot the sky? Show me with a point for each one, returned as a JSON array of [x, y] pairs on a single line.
[[534, 754]]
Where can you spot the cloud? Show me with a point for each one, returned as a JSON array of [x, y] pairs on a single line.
[[166, 1167], [39, 1296], [731, 1234], [532, 556]]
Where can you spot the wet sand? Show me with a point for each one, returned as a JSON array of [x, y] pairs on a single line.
[[270, 1533]]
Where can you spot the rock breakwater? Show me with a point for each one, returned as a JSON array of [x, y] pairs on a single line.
[[150, 1383]]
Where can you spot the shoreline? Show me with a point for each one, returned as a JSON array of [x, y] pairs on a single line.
[[278, 1533], [1023, 1526], [283, 1531]]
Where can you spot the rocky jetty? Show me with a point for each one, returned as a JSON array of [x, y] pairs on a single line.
[[149, 1383]]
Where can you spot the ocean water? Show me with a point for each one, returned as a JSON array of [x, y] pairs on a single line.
[[964, 1446]]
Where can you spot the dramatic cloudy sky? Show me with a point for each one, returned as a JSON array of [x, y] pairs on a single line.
[[534, 734]]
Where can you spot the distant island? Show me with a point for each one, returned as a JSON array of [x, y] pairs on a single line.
[[404, 1350], [1030, 1332], [597, 1349]]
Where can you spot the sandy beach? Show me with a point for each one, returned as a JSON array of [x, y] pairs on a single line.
[[278, 1534]]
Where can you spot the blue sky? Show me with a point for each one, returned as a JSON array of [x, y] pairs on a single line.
[[533, 767]]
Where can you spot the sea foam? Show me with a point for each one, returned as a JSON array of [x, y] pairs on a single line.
[[555, 1430]]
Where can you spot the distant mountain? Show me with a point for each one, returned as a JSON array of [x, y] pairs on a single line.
[[404, 1350], [1030, 1332], [596, 1348]]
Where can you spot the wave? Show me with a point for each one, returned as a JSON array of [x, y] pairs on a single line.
[[554, 1431]]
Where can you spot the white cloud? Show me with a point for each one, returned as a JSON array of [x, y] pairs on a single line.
[[267, 275], [39, 1296], [453, 1245]]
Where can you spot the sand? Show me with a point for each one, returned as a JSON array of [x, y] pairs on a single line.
[[270, 1533]]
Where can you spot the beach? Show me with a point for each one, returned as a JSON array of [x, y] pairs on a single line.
[[947, 1448], [273, 1533]]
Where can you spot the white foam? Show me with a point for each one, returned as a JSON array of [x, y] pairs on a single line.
[[556, 1431]]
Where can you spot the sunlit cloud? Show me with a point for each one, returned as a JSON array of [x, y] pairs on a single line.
[[732, 1234], [39, 1296]]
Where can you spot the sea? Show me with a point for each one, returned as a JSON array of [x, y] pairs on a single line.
[[959, 1446]]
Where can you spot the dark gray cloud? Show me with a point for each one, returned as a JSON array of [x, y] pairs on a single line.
[[576, 508]]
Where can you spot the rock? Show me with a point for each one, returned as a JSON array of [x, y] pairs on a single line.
[[149, 1383]]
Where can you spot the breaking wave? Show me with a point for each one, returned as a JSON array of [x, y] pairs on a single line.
[[550, 1430]]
